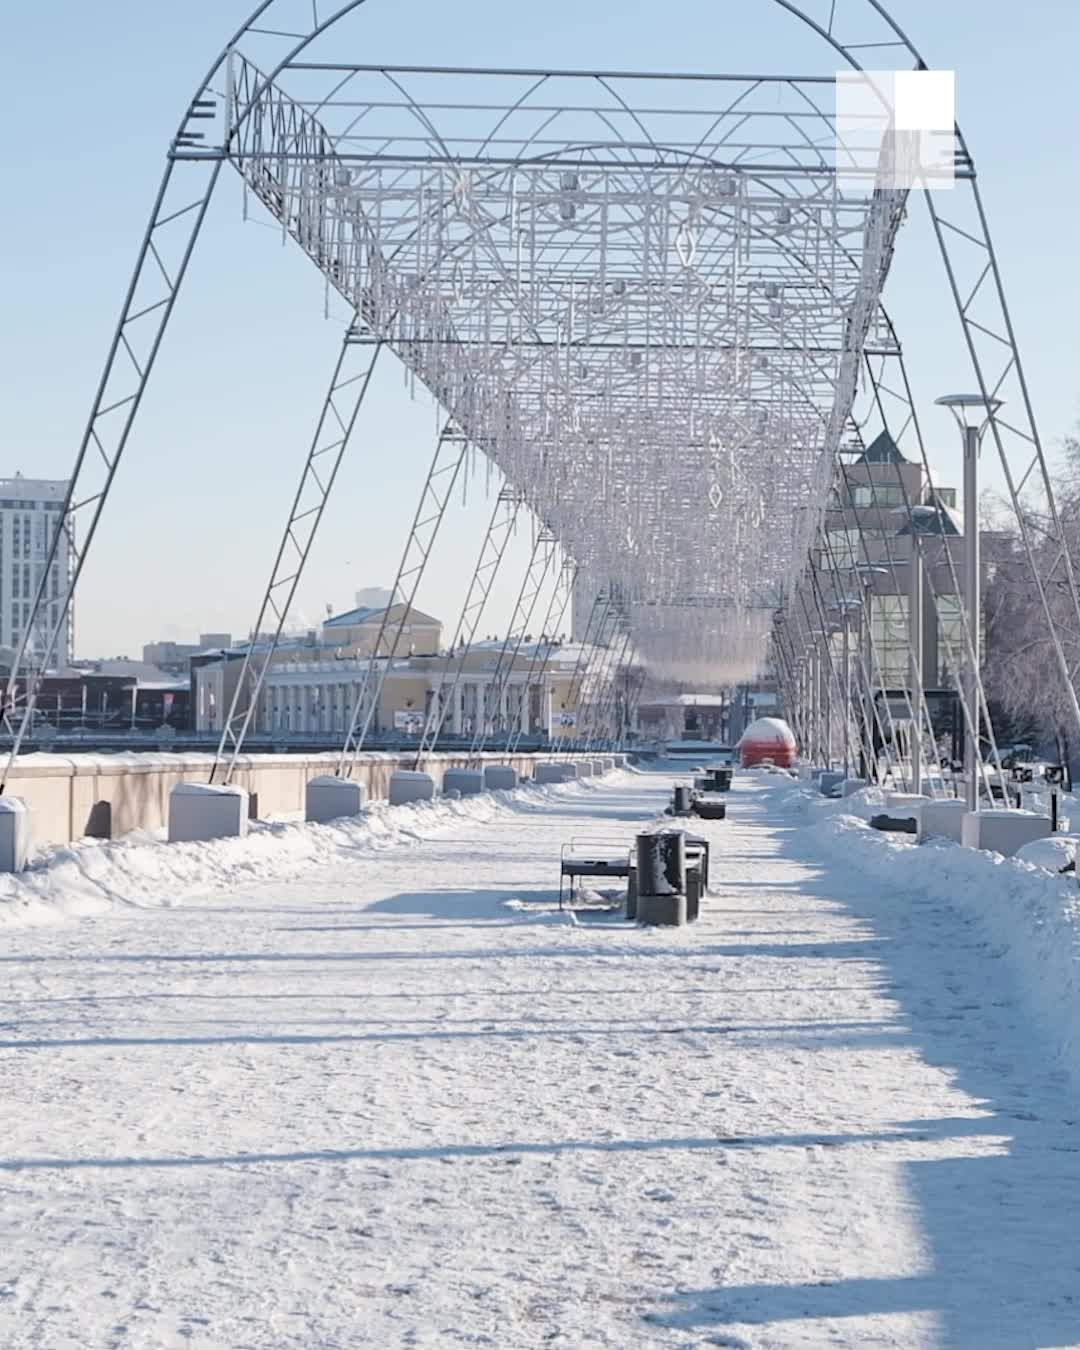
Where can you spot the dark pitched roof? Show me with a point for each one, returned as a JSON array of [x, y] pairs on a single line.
[[882, 451]]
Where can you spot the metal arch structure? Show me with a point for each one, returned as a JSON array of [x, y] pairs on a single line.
[[450, 451], [546, 646], [498, 713], [341, 406], [176, 218], [641, 370], [561, 274]]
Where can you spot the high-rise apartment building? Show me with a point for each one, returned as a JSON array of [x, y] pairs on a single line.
[[30, 513]]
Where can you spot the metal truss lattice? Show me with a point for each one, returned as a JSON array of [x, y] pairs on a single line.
[[646, 299]]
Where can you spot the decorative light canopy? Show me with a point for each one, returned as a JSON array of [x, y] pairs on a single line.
[[643, 297]]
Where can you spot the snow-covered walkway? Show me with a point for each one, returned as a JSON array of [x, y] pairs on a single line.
[[377, 1106]]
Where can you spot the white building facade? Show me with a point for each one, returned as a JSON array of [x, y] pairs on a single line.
[[313, 693], [31, 510]]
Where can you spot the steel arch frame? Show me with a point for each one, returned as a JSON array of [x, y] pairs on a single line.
[[85, 501]]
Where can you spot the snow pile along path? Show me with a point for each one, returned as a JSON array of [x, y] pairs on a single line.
[[1027, 916], [395, 1101], [141, 870]]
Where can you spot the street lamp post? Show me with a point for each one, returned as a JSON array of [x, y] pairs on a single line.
[[824, 637], [915, 644], [973, 413], [844, 608], [864, 574]]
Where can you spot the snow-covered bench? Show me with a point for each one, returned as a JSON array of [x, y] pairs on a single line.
[[592, 858]]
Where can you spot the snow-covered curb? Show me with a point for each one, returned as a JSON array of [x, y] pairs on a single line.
[[1029, 915], [143, 871]]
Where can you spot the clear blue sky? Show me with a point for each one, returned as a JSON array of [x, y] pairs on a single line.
[[92, 93]]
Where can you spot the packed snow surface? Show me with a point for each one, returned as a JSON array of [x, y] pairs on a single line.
[[362, 1085]]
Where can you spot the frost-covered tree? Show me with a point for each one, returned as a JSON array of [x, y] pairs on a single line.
[[1021, 670]]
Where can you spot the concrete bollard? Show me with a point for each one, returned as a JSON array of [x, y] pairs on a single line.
[[899, 802], [203, 811], [467, 781], [500, 777], [554, 773], [329, 798], [15, 834], [942, 819], [1003, 831], [410, 785]]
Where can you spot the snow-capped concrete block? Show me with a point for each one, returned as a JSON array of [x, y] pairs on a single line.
[[201, 811], [554, 772], [329, 798], [466, 781], [15, 834], [830, 781], [904, 803], [599, 768], [584, 768], [1056, 852], [410, 785], [1003, 831], [609, 763], [940, 819], [850, 786], [500, 777]]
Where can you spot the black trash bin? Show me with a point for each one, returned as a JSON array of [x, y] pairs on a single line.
[[661, 877]]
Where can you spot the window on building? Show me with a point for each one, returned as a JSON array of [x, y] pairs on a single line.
[[846, 547], [950, 645], [946, 496], [888, 630], [878, 494]]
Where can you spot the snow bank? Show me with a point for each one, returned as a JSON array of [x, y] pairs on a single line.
[[1030, 916], [1054, 854], [143, 871]]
